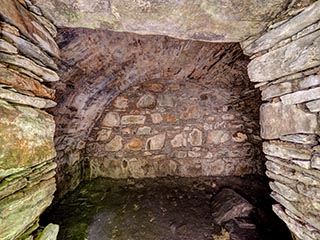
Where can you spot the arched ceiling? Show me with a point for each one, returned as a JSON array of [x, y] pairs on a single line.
[[208, 20]]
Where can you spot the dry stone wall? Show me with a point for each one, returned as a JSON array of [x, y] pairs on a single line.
[[179, 127], [27, 169], [285, 67]]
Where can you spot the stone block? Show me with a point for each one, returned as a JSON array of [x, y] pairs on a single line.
[[26, 136], [112, 119], [144, 130], [301, 96], [121, 102], [228, 205], [277, 119], [195, 137], [135, 144], [7, 47], [133, 119], [179, 141], [286, 151], [314, 106], [280, 62], [156, 142], [309, 139], [315, 161], [309, 81], [217, 137], [276, 90], [104, 135], [147, 101], [156, 118], [114, 145]]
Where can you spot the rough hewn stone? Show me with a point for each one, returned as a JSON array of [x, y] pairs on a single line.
[[276, 90], [104, 134], [279, 62], [26, 136], [215, 21], [135, 144], [147, 101], [7, 47], [17, 15], [217, 137], [112, 119], [121, 102], [114, 145], [314, 106], [307, 17], [156, 142], [133, 119], [22, 62], [179, 141], [300, 138], [14, 97], [277, 119], [309, 81], [301, 96], [228, 204], [156, 118], [315, 161], [195, 137], [144, 130]]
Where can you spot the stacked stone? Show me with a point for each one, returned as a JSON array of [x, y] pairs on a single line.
[[27, 169], [286, 67], [178, 128]]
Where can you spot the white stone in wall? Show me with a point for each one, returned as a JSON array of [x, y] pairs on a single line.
[[301, 96], [133, 119], [144, 130], [276, 90], [156, 142], [112, 119], [309, 81], [156, 118], [300, 138], [284, 190], [179, 141], [104, 134], [286, 151], [121, 102], [7, 47], [314, 106], [195, 137], [146, 101]]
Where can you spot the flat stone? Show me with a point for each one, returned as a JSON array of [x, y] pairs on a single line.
[[104, 134], [300, 138], [15, 97], [276, 90], [277, 119], [179, 141], [165, 100], [133, 119], [156, 142], [279, 63], [30, 50], [156, 118], [23, 83], [7, 47], [195, 137], [26, 136], [135, 144], [296, 24], [22, 62], [24, 207], [144, 130], [114, 145], [50, 232], [17, 15], [217, 137], [228, 204], [309, 81], [155, 87], [284, 190], [314, 106], [193, 154], [315, 161], [146, 101], [112, 119], [286, 151], [215, 21], [301, 96], [47, 24], [121, 102]]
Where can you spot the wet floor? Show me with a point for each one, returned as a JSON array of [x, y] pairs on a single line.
[[158, 209]]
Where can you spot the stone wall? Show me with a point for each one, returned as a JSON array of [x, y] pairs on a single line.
[[286, 68], [27, 169], [180, 127]]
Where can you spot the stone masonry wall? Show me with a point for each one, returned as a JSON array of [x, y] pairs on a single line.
[[286, 67], [183, 127], [27, 169]]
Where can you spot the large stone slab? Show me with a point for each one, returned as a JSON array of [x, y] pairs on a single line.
[[26, 136], [228, 21], [307, 17], [277, 119], [281, 62], [14, 13], [301, 96]]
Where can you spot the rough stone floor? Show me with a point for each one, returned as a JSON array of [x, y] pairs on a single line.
[[158, 209]]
